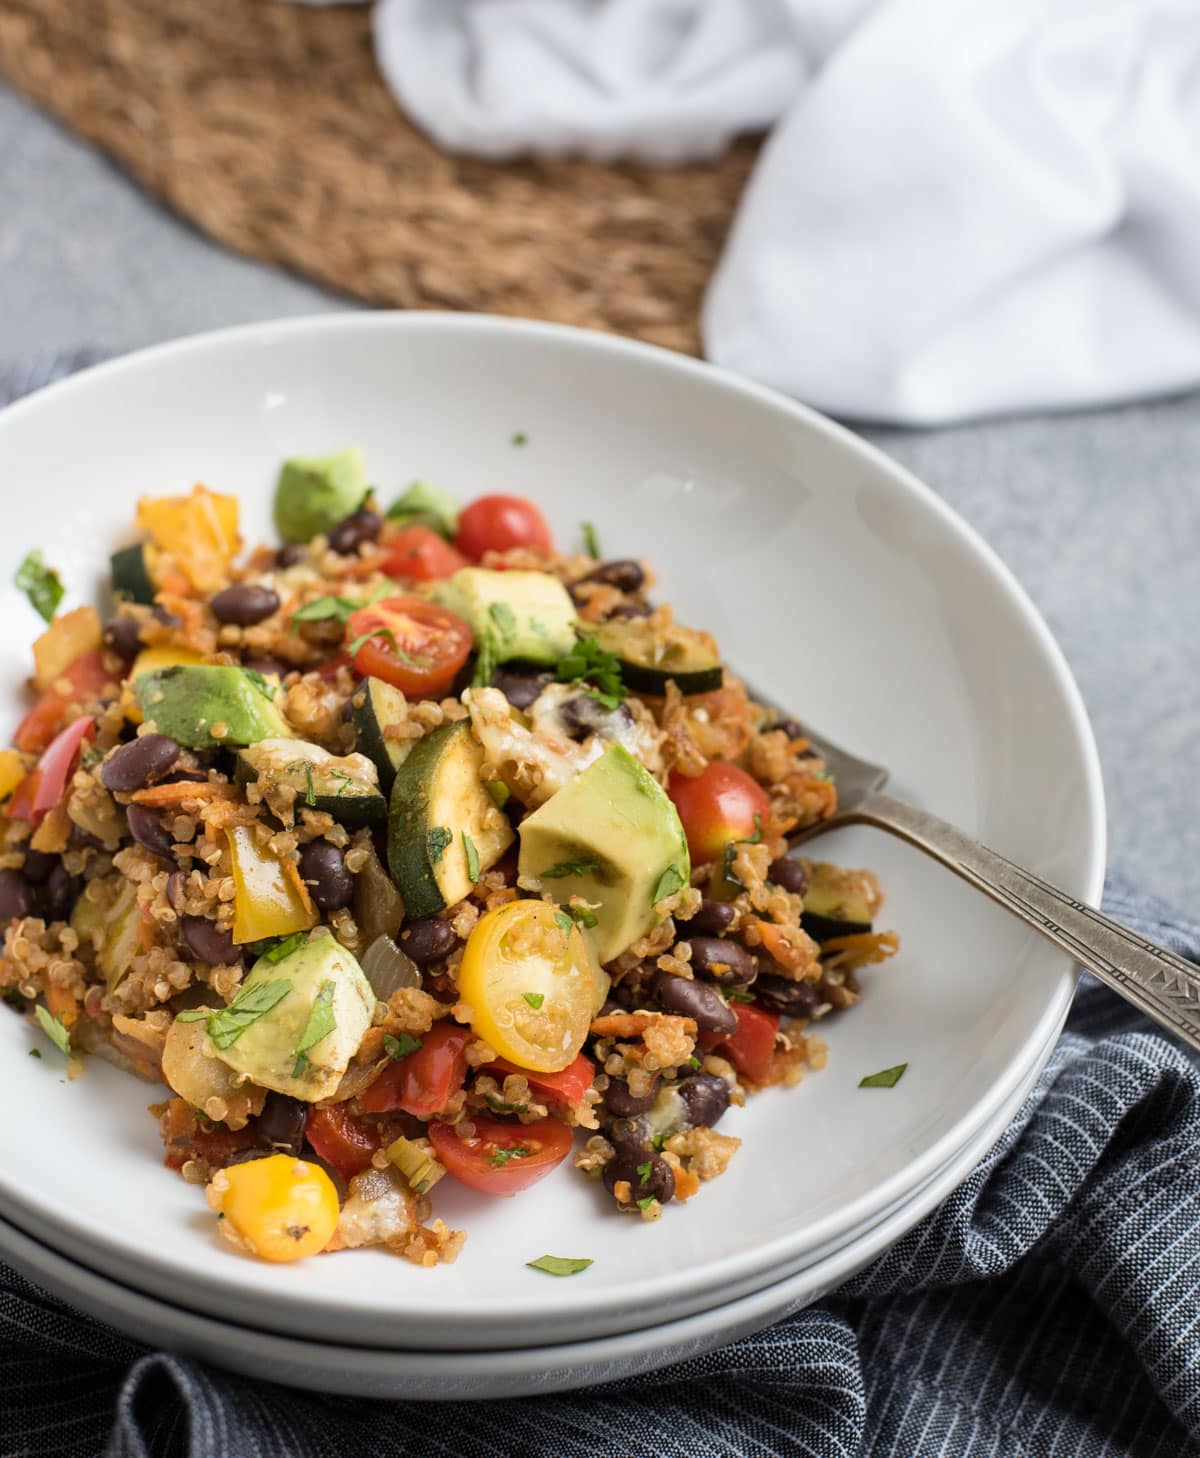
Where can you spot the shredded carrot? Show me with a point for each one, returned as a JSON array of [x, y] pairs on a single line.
[[160, 796], [630, 1024], [291, 870], [862, 948], [61, 1004], [783, 948]]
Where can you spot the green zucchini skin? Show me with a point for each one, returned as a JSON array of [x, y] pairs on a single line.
[[833, 905], [410, 857], [362, 805], [699, 672], [131, 575], [825, 928], [372, 704]]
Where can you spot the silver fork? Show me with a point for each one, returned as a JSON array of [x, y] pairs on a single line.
[[1151, 977]]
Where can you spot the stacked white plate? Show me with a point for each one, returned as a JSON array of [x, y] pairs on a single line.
[[838, 585]]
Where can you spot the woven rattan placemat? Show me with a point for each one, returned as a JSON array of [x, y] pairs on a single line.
[[268, 126]]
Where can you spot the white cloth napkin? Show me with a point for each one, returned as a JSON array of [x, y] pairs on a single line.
[[967, 207]]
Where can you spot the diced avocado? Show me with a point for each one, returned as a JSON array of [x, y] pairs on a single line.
[[444, 829], [374, 705], [346, 786], [187, 702], [526, 615], [315, 494], [837, 902], [612, 838], [426, 505], [325, 989]]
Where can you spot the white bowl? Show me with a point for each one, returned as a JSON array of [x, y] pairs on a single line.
[[834, 581]]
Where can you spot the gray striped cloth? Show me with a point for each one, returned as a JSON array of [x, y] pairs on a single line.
[[1050, 1308]]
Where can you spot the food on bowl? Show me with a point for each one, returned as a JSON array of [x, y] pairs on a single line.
[[405, 851]]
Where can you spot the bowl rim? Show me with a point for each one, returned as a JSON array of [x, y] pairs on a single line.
[[1089, 873]]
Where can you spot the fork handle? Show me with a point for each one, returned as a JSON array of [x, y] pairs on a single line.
[[1151, 977]]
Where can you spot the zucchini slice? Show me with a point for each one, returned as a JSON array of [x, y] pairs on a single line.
[[652, 657], [375, 705], [438, 799], [837, 903], [131, 576], [346, 788]]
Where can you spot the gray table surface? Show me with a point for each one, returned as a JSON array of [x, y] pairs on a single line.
[[1098, 514]]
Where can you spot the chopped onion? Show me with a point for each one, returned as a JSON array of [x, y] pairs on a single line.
[[388, 968]]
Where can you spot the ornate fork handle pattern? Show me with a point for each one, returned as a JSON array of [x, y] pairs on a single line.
[[1154, 978]]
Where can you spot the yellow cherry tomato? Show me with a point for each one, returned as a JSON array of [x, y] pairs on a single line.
[[529, 978], [282, 1207]]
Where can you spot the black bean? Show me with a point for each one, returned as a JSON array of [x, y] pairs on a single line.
[[289, 555], [628, 1136], [323, 868], [247, 1155], [175, 889], [282, 1122], [60, 893], [245, 603], [428, 940], [584, 716], [619, 1102], [148, 829], [165, 616], [623, 573], [81, 837], [705, 1097], [792, 728], [353, 530], [697, 1000], [649, 1177], [520, 687], [133, 765], [208, 942], [723, 961], [782, 995], [38, 865], [16, 895], [626, 610], [791, 875], [123, 634], [712, 919]]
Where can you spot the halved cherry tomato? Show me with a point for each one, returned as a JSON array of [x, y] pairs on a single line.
[[750, 1049], [424, 1082], [418, 553], [57, 765], [415, 645], [87, 676], [502, 1158], [565, 1088], [496, 523], [342, 1140], [717, 806]]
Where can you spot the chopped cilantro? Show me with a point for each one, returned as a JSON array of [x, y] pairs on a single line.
[[285, 948], [520, 439], [498, 1106], [503, 617], [658, 1141], [739, 994], [472, 858], [486, 659], [310, 792], [321, 1022], [645, 1202], [347, 780], [260, 683], [322, 608], [54, 1029], [560, 1265], [502, 1155], [437, 838], [757, 836], [35, 1052], [644, 1171], [565, 920], [821, 774], [40, 584], [400, 1047], [581, 915], [559, 869], [534, 999], [727, 865], [886, 1078], [227, 1024], [499, 792], [671, 880], [693, 1062], [590, 540], [388, 636], [587, 662]]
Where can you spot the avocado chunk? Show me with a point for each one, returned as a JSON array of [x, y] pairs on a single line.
[[315, 494], [425, 505], [527, 615], [613, 838], [187, 702], [319, 1009]]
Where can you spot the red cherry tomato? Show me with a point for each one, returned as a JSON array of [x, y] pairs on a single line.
[[502, 1158], [418, 553], [87, 677], [564, 1088], [57, 764], [752, 1047], [415, 645], [497, 523], [342, 1140], [424, 1082], [717, 806]]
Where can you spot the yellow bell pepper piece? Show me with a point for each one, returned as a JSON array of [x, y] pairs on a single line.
[[12, 772], [200, 532], [268, 902], [146, 662], [75, 633]]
